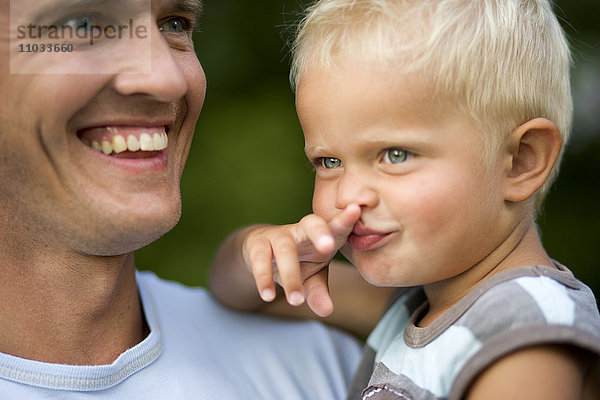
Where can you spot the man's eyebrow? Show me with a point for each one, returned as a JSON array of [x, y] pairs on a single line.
[[189, 6], [79, 3], [61, 6]]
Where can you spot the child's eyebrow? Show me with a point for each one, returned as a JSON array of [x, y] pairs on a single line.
[[312, 149]]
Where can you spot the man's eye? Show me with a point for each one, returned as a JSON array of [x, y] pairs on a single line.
[[175, 25], [395, 156], [331, 162], [82, 22]]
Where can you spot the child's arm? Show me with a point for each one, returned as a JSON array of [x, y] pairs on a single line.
[[542, 372], [302, 253]]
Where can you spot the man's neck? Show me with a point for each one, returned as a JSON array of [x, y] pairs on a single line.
[[74, 310]]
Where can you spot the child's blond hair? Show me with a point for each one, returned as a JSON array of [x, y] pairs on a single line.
[[502, 62]]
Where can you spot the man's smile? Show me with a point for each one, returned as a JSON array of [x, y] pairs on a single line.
[[130, 141]]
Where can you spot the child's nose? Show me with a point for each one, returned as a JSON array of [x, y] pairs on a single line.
[[355, 188]]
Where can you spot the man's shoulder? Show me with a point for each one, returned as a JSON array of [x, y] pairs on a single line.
[[171, 289], [176, 306], [247, 354], [178, 309]]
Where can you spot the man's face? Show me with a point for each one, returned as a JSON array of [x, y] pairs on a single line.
[[58, 190]]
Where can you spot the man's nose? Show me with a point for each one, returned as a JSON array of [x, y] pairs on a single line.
[[163, 79]]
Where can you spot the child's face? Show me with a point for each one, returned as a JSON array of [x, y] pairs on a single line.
[[430, 209]]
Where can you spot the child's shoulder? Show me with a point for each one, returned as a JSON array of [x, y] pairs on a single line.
[[515, 309], [533, 297], [528, 297], [521, 307], [527, 307]]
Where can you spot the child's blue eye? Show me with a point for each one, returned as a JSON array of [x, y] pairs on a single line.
[[331, 162], [395, 156]]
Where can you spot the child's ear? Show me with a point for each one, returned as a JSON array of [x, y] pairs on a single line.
[[533, 147]]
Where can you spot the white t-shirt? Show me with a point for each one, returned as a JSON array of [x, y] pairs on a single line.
[[198, 349]]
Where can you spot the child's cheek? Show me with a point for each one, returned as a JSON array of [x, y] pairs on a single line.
[[323, 202]]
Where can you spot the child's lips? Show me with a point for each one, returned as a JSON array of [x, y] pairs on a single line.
[[364, 239]]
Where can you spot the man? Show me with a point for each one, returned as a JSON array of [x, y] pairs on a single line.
[[99, 103]]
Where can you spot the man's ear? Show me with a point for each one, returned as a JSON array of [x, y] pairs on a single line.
[[533, 148]]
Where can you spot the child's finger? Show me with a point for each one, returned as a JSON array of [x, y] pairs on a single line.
[[342, 224], [318, 233], [288, 268], [260, 258], [317, 293]]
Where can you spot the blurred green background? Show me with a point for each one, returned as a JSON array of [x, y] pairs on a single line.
[[247, 163]]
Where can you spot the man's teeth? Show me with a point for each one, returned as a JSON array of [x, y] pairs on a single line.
[[146, 142]]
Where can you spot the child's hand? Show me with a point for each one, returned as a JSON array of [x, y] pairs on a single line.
[[297, 257]]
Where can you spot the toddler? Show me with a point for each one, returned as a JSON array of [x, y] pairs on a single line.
[[435, 128]]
